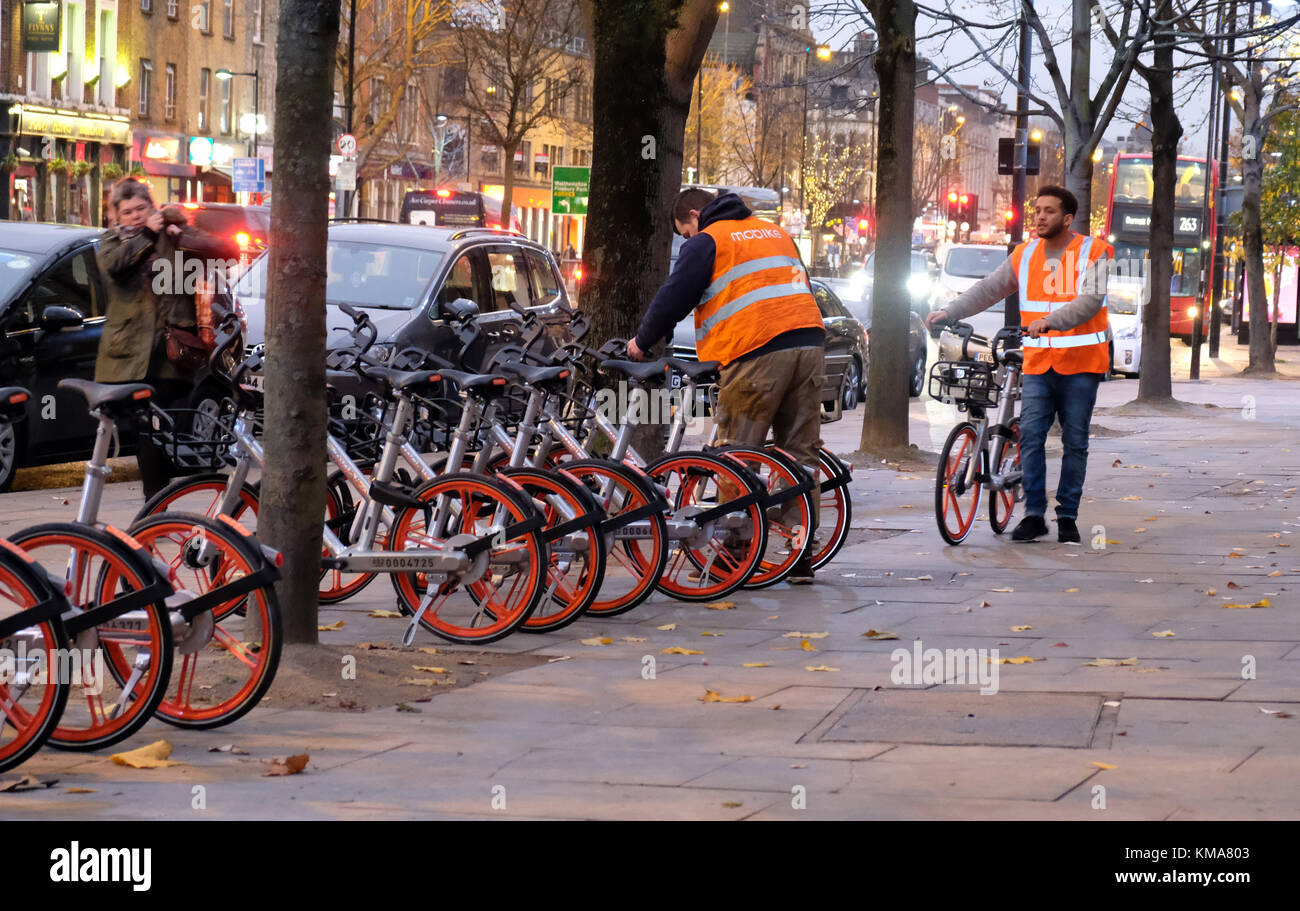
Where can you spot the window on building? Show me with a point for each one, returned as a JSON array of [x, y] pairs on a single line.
[[146, 86], [205, 85], [410, 110], [378, 98], [228, 19], [554, 99], [204, 21], [582, 101], [530, 95], [173, 9], [225, 106], [256, 14], [453, 82], [146, 6], [522, 158], [169, 93], [490, 159]]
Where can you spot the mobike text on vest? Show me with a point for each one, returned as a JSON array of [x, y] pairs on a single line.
[[755, 233]]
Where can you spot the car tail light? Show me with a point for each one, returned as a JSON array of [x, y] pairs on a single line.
[[444, 194], [242, 239], [191, 205], [577, 274]]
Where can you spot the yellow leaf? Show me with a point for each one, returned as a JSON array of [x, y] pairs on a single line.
[[1235, 556], [1105, 766], [1164, 634], [386, 614], [329, 627], [1276, 534], [1070, 591], [429, 670], [1005, 591], [1112, 662], [291, 766], [721, 605], [596, 641], [1023, 659], [81, 791], [1139, 531], [756, 664], [707, 633], [878, 634], [1276, 572], [153, 756], [821, 667], [1130, 498], [1212, 592], [427, 650], [668, 627], [775, 617], [1020, 629], [678, 650], [807, 646], [805, 635], [711, 696]]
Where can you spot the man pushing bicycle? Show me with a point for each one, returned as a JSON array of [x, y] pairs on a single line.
[[1061, 280]]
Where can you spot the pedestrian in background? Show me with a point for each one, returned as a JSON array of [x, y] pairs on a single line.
[[151, 334]]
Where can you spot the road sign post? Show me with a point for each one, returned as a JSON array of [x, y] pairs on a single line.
[[248, 175]]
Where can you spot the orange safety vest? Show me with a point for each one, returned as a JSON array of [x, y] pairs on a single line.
[[1083, 349], [759, 290]]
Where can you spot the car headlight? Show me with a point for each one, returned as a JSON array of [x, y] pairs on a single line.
[[381, 353], [918, 285]]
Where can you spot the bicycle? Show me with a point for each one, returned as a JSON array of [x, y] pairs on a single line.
[[981, 451], [130, 607]]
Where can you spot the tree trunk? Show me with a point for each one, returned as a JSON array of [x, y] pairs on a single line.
[[1154, 382], [293, 482], [645, 54], [884, 425], [508, 184], [1252, 171], [1079, 116]]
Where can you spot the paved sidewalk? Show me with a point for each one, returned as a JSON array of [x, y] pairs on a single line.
[[1177, 505]]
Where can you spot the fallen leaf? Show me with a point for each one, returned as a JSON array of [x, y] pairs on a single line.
[[879, 635], [27, 783], [821, 667], [807, 646], [721, 605], [1235, 556], [596, 641], [1139, 531], [1164, 634], [1061, 645], [678, 650], [1105, 766], [1004, 591], [428, 681], [918, 578], [756, 664], [429, 670], [774, 617], [1070, 591], [427, 650], [330, 627], [1262, 602], [732, 804], [1212, 592], [153, 756], [1116, 463], [1023, 659], [1233, 585], [1130, 498], [711, 696], [403, 707], [668, 627], [1276, 572], [385, 614], [805, 635], [81, 791], [290, 766], [1111, 662], [1271, 711], [985, 604], [1020, 629]]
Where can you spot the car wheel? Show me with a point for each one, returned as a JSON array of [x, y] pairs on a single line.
[[918, 375], [851, 385], [8, 455]]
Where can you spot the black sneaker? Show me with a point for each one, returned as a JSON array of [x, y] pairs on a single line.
[[802, 574], [1030, 527], [1066, 531]]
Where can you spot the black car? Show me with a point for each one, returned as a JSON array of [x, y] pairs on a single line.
[[52, 311], [247, 226], [917, 350]]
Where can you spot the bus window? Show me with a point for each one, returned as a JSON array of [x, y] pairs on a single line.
[[1133, 181]]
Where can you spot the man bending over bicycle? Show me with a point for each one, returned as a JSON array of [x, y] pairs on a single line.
[[1061, 279]]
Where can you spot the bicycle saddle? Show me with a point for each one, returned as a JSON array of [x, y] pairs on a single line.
[[405, 379], [535, 375], [482, 383], [100, 394], [644, 371], [13, 402], [698, 371]]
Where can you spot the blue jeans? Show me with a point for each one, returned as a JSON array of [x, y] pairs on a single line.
[[1044, 398]]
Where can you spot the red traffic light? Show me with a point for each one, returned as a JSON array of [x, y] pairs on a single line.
[[1011, 214], [964, 199], [862, 224], [952, 196]]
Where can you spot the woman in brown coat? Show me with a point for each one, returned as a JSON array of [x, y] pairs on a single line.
[[146, 298]]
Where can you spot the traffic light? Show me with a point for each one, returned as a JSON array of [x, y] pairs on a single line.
[[954, 204], [969, 209], [1007, 156]]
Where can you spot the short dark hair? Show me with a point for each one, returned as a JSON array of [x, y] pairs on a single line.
[[1069, 203], [692, 198], [130, 188]]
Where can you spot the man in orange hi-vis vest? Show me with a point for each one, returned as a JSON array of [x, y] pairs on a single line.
[[1061, 279], [755, 315]]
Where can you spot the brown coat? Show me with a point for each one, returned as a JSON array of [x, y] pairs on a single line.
[[142, 304]]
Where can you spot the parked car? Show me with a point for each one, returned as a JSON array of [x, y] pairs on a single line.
[[861, 285], [52, 312], [247, 226], [402, 275], [846, 351]]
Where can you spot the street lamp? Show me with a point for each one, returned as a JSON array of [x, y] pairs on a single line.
[[224, 74], [725, 8]]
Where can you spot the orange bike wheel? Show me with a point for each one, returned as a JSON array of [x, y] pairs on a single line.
[[955, 502], [30, 703]]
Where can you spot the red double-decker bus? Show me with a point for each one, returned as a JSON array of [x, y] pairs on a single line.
[[1128, 228]]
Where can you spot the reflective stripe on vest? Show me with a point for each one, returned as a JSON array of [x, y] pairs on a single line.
[[1065, 341], [1080, 349], [753, 297], [742, 269]]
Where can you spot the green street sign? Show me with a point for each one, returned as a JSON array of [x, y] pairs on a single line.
[[570, 188]]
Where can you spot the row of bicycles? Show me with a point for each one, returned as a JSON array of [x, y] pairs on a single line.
[[495, 501]]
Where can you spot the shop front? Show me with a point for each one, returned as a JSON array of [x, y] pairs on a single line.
[[54, 161], [167, 171], [214, 160]]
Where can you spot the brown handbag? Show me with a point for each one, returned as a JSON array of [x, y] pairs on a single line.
[[186, 350]]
